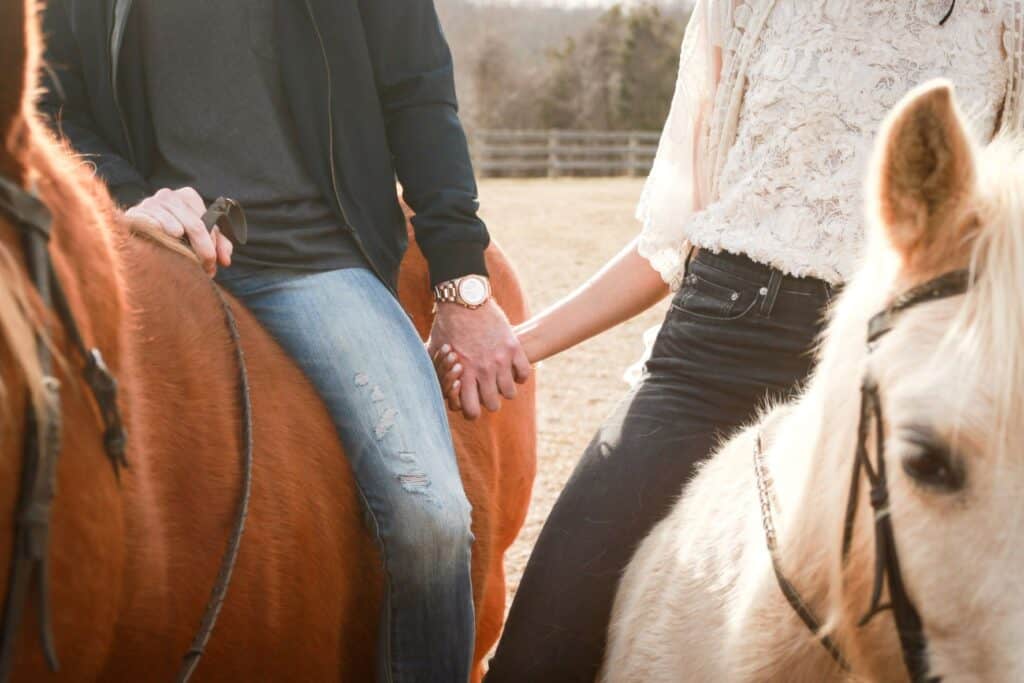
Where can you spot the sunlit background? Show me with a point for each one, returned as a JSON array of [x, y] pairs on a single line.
[[578, 65], [563, 101]]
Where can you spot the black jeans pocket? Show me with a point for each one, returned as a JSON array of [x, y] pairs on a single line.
[[713, 296]]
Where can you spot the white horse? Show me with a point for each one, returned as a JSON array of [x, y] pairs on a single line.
[[700, 600]]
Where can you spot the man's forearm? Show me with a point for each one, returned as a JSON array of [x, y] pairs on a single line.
[[432, 162], [416, 85]]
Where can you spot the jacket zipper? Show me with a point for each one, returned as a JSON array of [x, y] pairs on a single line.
[[330, 138], [115, 53]]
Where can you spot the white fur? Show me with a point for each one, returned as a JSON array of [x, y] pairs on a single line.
[[699, 602]]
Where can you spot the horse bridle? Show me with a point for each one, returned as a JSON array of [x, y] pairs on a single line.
[[37, 489], [913, 643]]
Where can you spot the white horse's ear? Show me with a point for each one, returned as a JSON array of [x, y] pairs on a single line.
[[925, 176]]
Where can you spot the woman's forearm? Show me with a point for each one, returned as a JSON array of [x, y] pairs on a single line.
[[624, 288]]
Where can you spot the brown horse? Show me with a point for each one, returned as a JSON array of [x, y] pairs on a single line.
[[132, 562]]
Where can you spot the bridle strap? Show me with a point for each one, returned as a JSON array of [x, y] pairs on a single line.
[[887, 564], [100, 380], [37, 489], [229, 216], [789, 591], [945, 286], [220, 589], [34, 220], [913, 643], [909, 626], [29, 559]]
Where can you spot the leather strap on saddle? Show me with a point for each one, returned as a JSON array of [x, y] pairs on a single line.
[[228, 215]]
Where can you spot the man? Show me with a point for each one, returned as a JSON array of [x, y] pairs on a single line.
[[305, 111]]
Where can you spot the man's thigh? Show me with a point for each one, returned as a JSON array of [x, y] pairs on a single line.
[[360, 350]]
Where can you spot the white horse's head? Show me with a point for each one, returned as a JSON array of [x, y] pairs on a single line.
[[950, 377]]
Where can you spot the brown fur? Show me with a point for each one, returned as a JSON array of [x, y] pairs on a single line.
[[133, 563]]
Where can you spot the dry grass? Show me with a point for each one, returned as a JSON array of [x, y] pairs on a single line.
[[558, 233]]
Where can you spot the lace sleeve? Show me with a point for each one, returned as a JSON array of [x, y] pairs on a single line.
[[672, 192]]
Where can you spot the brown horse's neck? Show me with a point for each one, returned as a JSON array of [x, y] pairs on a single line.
[[86, 542], [151, 313]]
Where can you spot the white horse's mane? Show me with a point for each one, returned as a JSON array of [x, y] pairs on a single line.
[[990, 325], [988, 328]]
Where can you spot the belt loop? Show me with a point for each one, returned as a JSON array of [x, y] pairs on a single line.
[[690, 252], [770, 293]]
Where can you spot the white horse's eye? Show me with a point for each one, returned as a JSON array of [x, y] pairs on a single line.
[[932, 465]]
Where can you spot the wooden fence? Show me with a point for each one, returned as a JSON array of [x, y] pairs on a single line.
[[555, 153]]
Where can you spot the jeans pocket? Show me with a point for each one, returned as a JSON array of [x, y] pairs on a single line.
[[704, 298]]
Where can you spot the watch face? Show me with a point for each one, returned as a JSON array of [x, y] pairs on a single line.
[[473, 291]]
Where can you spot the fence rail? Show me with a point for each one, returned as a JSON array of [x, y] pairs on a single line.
[[556, 153]]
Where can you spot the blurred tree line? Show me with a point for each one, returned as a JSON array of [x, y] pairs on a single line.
[[548, 67]]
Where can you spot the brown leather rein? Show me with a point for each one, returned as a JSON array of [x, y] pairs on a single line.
[[909, 627], [37, 490]]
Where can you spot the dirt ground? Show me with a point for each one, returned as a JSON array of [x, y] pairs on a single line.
[[558, 233]]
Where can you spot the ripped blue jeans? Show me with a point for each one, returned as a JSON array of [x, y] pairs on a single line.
[[360, 350]]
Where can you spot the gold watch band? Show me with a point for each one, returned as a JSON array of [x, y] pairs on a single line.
[[447, 293]]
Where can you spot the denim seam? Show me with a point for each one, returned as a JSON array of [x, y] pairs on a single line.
[[698, 260], [770, 294], [379, 537], [761, 283], [711, 318], [721, 289]]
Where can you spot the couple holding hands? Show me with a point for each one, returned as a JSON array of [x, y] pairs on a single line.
[[751, 217]]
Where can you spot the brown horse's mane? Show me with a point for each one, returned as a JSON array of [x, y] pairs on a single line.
[[19, 328], [54, 172], [161, 239], [67, 184], [19, 323]]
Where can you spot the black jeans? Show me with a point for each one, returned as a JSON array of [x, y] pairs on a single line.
[[738, 333]]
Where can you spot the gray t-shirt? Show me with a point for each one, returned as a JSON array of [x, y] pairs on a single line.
[[223, 126]]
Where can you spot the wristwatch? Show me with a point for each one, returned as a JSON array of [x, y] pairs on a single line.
[[471, 291]]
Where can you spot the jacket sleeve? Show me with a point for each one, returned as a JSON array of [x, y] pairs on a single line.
[[66, 107], [415, 82]]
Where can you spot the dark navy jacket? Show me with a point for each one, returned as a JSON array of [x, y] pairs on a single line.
[[370, 83]]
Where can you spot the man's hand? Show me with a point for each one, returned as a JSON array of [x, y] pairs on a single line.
[[179, 213], [492, 359]]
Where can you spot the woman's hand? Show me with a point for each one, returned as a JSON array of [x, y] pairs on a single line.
[[625, 287], [449, 373]]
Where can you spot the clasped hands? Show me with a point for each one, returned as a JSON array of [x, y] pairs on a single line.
[[477, 357]]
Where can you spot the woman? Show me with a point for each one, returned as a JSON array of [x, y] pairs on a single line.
[[752, 213]]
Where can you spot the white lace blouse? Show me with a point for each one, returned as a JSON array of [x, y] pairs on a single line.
[[765, 149]]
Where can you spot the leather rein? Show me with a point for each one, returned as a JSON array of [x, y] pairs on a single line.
[[913, 643], [38, 486]]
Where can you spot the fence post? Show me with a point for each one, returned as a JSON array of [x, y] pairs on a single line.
[[631, 158], [553, 140]]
